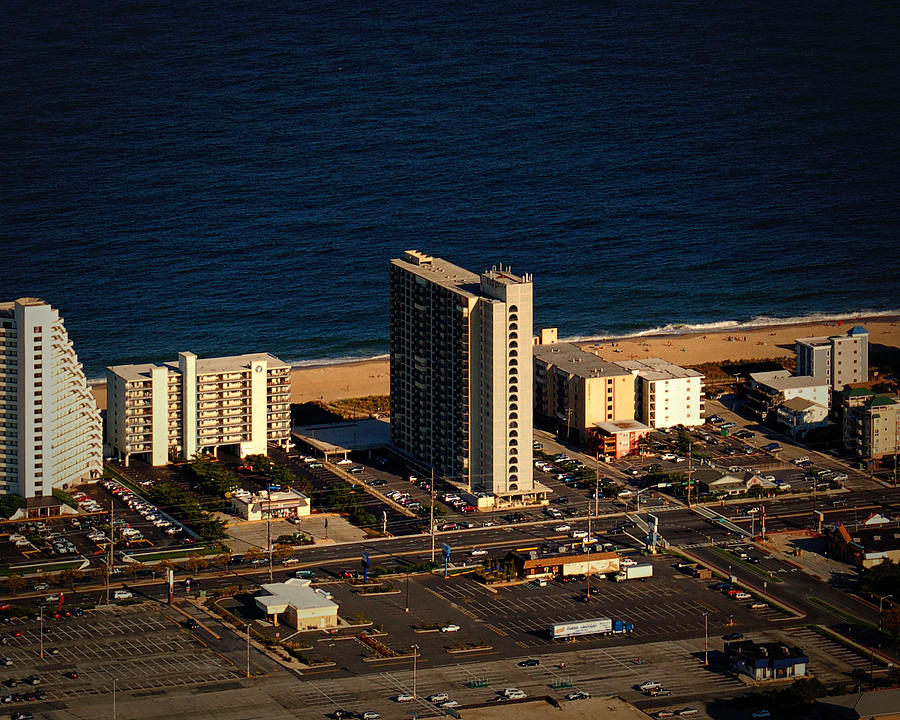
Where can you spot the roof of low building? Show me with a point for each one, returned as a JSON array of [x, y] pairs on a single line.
[[781, 380], [295, 592], [579, 362], [622, 426], [799, 404], [658, 369]]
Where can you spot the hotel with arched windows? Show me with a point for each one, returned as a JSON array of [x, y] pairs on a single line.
[[461, 374]]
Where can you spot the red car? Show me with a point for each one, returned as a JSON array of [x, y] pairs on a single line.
[[16, 633], [72, 675], [345, 575]]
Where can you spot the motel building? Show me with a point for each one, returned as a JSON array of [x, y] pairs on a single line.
[[270, 504], [298, 605], [766, 661]]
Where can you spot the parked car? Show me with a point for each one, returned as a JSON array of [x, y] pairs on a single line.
[[451, 627], [530, 662], [438, 697]]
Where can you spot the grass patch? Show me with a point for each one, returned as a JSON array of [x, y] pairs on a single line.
[[841, 613], [42, 567], [755, 569], [170, 554]]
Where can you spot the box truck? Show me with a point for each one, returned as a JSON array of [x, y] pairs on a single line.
[[634, 572], [594, 626]]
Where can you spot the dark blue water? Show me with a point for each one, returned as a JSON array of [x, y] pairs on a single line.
[[234, 177]]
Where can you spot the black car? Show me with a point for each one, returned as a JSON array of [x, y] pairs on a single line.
[[563, 500], [733, 636], [192, 624], [530, 662]]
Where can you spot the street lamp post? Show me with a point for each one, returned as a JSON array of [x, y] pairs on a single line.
[[415, 657], [706, 639], [42, 632], [248, 650], [881, 599]]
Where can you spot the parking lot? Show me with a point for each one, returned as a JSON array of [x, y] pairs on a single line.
[[138, 646]]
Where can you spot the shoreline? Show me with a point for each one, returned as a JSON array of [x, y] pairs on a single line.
[[328, 381]]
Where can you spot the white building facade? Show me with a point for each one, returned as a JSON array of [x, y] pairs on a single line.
[[665, 394], [50, 430], [193, 405], [461, 373]]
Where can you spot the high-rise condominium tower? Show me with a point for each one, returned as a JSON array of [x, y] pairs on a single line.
[[50, 431], [461, 373]]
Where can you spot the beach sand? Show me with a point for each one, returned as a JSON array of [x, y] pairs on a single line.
[[372, 377]]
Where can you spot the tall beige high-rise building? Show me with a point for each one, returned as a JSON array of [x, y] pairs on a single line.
[[50, 431], [461, 375], [155, 410]]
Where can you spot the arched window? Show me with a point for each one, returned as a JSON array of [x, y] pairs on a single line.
[[514, 416], [513, 344], [513, 486], [514, 362], [513, 309], [514, 468], [513, 353], [513, 406], [514, 398], [513, 451], [513, 388], [513, 443], [513, 424], [513, 433], [513, 326]]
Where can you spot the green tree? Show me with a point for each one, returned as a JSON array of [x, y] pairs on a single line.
[[890, 621], [805, 690], [70, 576], [15, 582]]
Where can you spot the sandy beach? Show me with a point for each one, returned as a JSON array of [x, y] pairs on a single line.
[[372, 377]]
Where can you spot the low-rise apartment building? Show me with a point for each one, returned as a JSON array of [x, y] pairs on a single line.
[[50, 430], [871, 422], [665, 395], [158, 410], [575, 389], [767, 391]]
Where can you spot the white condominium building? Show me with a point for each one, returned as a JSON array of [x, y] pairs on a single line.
[[665, 394], [181, 408], [461, 376], [50, 430], [837, 360]]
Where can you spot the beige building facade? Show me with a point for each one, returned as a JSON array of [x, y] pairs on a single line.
[[181, 408], [871, 423], [461, 381], [50, 429], [575, 389], [666, 395]]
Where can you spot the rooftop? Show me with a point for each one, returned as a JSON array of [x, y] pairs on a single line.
[[781, 380], [580, 363], [452, 277], [622, 426], [294, 592], [658, 369], [798, 404], [205, 366]]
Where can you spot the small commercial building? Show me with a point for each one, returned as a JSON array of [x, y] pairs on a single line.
[[298, 605], [766, 661], [614, 440], [270, 504], [548, 566], [867, 545], [715, 482]]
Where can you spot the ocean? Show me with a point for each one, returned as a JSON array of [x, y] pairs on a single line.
[[234, 177]]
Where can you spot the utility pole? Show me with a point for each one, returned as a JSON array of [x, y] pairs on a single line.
[[406, 609], [431, 516], [881, 600], [415, 677], [597, 488], [690, 471], [42, 632], [112, 543], [248, 650], [114, 699], [588, 548], [269, 531]]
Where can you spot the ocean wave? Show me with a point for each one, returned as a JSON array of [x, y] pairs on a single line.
[[759, 321], [342, 360]]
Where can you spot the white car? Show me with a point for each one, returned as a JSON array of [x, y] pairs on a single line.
[[627, 562], [649, 685], [562, 528], [579, 534], [371, 715], [478, 552], [668, 456], [345, 461], [403, 697], [516, 695], [450, 628], [438, 697], [449, 704], [122, 595]]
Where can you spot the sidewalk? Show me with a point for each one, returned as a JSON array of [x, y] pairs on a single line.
[[812, 560]]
